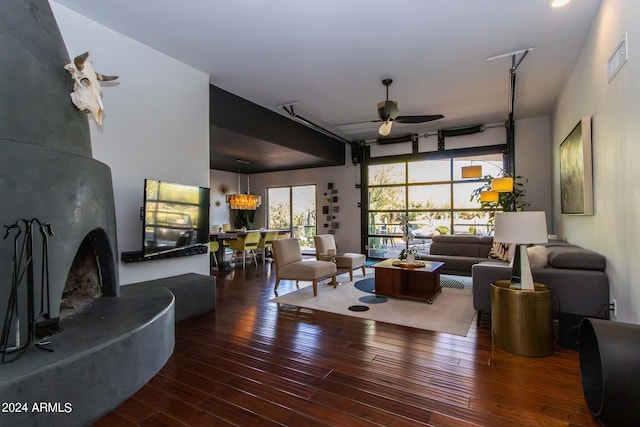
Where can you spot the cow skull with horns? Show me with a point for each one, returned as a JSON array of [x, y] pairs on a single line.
[[87, 93]]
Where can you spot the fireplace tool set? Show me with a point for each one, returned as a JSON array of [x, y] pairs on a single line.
[[22, 264]]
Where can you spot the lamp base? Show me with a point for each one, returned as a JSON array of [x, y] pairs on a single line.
[[521, 277]]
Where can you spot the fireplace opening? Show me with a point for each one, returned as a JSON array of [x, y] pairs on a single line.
[[90, 276], [83, 284]]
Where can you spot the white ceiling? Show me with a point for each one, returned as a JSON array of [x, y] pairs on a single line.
[[331, 55]]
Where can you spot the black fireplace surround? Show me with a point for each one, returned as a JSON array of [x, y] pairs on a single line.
[[47, 172]]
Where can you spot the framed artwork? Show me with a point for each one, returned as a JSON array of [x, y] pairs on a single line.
[[336, 209], [325, 209], [576, 171], [335, 199], [330, 186]]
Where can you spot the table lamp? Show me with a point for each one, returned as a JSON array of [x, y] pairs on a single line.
[[521, 229]]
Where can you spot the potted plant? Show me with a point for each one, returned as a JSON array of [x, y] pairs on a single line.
[[507, 201]]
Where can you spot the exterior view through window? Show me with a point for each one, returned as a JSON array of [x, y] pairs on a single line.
[[432, 194], [294, 209]]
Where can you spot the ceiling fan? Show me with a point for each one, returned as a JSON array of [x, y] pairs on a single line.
[[388, 112]]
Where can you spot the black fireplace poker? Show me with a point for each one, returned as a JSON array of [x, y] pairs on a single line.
[[22, 264]]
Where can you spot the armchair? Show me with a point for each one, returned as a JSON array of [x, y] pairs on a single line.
[[290, 266], [349, 261]]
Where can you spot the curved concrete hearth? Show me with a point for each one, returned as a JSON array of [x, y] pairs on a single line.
[[101, 358]]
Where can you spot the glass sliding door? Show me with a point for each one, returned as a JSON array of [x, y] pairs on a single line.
[[294, 209], [434, 196]]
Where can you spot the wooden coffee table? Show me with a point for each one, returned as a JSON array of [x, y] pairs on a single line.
[[408, 280]]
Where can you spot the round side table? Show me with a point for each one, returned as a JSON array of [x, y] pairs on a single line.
[[521, 320]]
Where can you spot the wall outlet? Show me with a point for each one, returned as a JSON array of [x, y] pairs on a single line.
[[614, 306]]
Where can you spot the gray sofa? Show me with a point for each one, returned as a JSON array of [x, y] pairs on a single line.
[[458, 252], [575, 275]]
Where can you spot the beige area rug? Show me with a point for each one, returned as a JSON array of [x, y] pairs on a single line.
[[451, 312]]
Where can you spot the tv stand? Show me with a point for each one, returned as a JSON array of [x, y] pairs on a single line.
[[139, 256]]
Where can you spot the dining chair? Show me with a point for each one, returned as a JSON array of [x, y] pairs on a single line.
[[266, 243], [246, 244], [214, 245]]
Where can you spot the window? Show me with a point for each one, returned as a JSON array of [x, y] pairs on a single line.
[[294, 209], [433, 195]]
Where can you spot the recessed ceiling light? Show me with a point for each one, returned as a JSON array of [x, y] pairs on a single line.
[[559, 3]]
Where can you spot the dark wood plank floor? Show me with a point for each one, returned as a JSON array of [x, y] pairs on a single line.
[[253, 363]]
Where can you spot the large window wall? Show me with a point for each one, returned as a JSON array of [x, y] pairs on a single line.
[[294, 209], [434, 196]]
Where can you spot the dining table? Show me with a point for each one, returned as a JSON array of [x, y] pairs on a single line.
[[221, 236]]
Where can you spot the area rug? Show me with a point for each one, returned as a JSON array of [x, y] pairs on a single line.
[[451, 312], [446, 281]]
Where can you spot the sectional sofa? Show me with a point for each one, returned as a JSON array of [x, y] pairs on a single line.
[[576, 276]]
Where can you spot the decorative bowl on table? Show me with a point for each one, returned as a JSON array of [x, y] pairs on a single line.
[[408, 264]]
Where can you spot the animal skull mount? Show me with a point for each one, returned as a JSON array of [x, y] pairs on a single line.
[[87, 93]]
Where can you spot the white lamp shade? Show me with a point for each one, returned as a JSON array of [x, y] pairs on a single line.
[[520, 227]]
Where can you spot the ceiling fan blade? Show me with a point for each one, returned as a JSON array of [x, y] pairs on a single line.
[[419, 119]]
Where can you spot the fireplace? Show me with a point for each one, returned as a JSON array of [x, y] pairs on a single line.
[[46, 169], [118, 340]]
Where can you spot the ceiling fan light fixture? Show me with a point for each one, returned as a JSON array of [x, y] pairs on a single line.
[[385, 128]]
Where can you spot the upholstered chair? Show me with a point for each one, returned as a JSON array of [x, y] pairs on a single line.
[[326, 251], [247, 245], [290, 266]]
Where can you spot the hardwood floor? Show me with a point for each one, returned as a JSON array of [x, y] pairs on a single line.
[[253, 363]]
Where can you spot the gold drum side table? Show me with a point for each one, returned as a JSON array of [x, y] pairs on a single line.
[[521, 320]]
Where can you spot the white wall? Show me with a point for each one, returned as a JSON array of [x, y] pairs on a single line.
[[344, 179], [614, 106], [220, 181], [156, 125]]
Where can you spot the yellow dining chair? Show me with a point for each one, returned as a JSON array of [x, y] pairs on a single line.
[[214, 245], [244, 244], [266, 243]]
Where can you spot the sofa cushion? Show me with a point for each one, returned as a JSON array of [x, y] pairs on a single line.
[[307, 270], [537, 256], [575, 258], [461, 245]]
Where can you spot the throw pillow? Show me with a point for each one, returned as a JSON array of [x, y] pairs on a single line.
[[537, 256], [500, 251]]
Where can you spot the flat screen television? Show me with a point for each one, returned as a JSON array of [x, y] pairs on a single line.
[[174, 216]]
